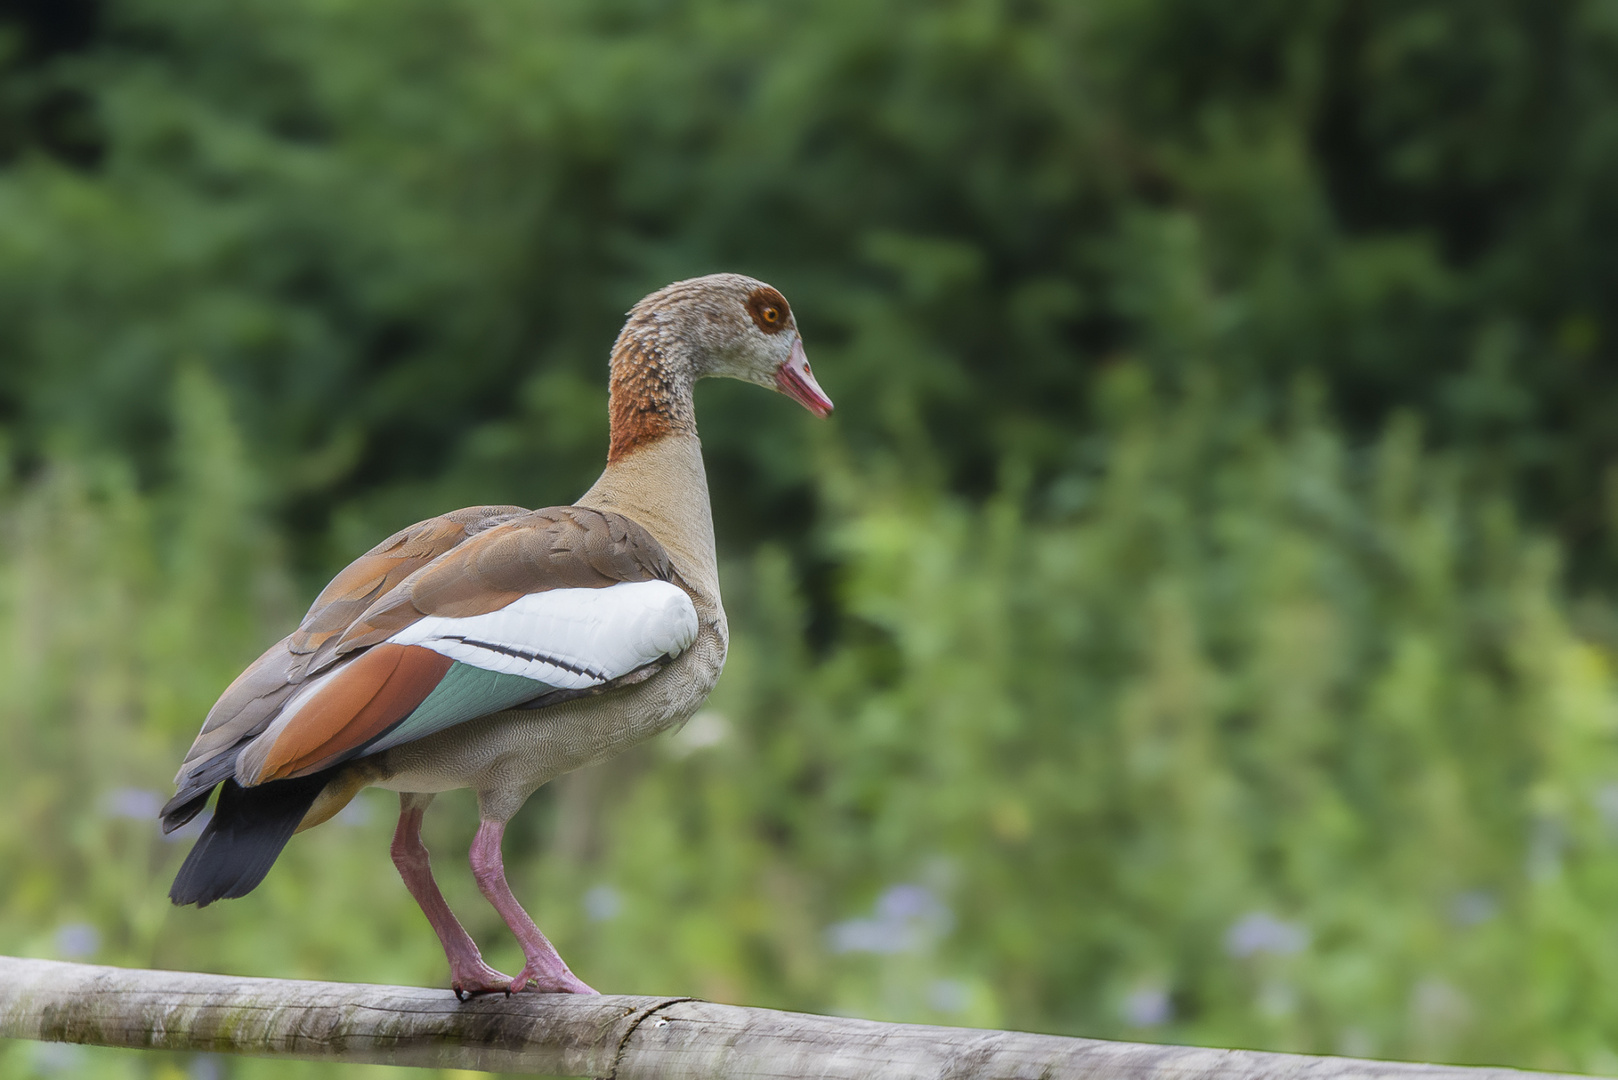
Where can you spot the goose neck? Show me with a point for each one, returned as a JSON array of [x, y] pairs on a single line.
[[662, 485], [650, 386]]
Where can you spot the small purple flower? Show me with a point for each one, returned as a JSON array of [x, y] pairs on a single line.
[[1260, 932], [602, 903], [1149, 1006], [905, 903], [77, 940], [908, 918], [139, 804]]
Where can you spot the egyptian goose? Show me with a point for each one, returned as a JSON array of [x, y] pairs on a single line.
[[494, 648]]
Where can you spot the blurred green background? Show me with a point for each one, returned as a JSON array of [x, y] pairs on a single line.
[[1197, 623]]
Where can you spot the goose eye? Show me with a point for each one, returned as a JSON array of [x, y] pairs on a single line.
[[769, 310]]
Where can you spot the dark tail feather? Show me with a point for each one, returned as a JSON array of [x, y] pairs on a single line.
[[249, 828], [177, 813], [193, 796]]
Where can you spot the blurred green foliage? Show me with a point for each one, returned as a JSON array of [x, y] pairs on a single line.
[[401, 235], [1170, 638]]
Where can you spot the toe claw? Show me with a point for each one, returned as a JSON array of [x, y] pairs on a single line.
[[540, 982], [470, 981]]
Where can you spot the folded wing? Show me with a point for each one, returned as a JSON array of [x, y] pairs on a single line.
[[441, 671], [445, 622]]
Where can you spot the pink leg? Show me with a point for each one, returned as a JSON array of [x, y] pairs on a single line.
[[544, 970], [467, 972]]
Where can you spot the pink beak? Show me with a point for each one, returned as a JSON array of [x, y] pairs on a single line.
[[797, 383]]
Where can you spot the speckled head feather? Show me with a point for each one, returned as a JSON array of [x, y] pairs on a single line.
[[725, 325]]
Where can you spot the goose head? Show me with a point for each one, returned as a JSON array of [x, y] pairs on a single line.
[[727, 326]]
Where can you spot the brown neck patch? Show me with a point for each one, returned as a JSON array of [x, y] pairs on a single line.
[[648, 399]]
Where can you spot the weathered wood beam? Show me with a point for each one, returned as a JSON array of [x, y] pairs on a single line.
[[626, 1038]]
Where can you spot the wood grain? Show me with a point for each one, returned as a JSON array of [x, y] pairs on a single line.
[[626, 1038]]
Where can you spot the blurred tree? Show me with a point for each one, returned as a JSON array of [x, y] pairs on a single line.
[[41, 108], [402, 236]]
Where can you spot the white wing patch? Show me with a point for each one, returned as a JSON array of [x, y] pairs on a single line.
[[572, 639]]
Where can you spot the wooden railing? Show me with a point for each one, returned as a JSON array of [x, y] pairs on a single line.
[[625, 1038]]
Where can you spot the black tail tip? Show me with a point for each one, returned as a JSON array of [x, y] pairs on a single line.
[[248, 830]]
